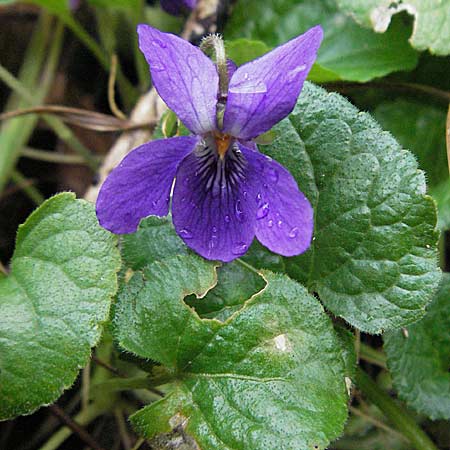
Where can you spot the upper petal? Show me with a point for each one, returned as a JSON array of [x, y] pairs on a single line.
[[140, 185], [214, 207], [185, 78], [264, 91], [284, 218]]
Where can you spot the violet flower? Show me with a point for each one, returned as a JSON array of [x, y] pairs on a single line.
[[177, 7], [226, 192]]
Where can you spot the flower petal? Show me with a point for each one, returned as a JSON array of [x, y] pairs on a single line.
[[264, 91], [214, 205], [284, 218], [185, 78], [140, 185]]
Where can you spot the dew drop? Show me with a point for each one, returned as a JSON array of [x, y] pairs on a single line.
[[185, 233], [240, 248], [248, 86], [292, 74], [262, 211], [293, 233], [212, 242], [270, 223], [154, 203], [159, 43], [272, 175], [214, 230], [258, 199], [157, 67], [238, 210], [227, 219], [279, 223]]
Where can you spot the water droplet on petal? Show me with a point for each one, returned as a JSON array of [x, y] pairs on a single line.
[[240, 248], [262, 211], [214, 229], [292, 74], [185, 233], [159, 43], [248, 86], [157, 67], [227, 219], [270, 223], [272, 175], [293, 233], [279, 223], [258, 199], [238, 210], [154, 203]]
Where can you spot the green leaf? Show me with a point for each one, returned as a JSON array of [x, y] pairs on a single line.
[[348, 51], [419, 363], [58, 7], [431, 28], [63, 275], [421, 128], [373, 260], [271, 376], [244, 50], [154, 240], [236, 284], [122, 4]]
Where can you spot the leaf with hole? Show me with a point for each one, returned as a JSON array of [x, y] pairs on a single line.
[[271, 375]]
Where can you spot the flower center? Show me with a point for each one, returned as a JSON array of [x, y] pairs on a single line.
[[223, 142]]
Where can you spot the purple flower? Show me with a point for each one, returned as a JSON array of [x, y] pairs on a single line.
[[74, 4], [177, 7], [226, 192]]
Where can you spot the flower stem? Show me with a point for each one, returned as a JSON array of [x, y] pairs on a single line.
[[372, 356], [397, 415], [215, 42], [248, 266], [33, 193]]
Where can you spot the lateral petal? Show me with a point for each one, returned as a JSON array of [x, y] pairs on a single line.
[[140, 185]]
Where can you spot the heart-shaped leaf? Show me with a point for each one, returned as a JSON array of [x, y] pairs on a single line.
[[272, 375], [373, 259], [53, 303]]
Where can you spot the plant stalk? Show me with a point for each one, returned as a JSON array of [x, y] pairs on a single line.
[[398, 416]]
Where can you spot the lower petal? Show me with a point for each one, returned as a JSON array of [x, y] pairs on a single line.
[[213, 204], [140, 185], [284, 217]]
